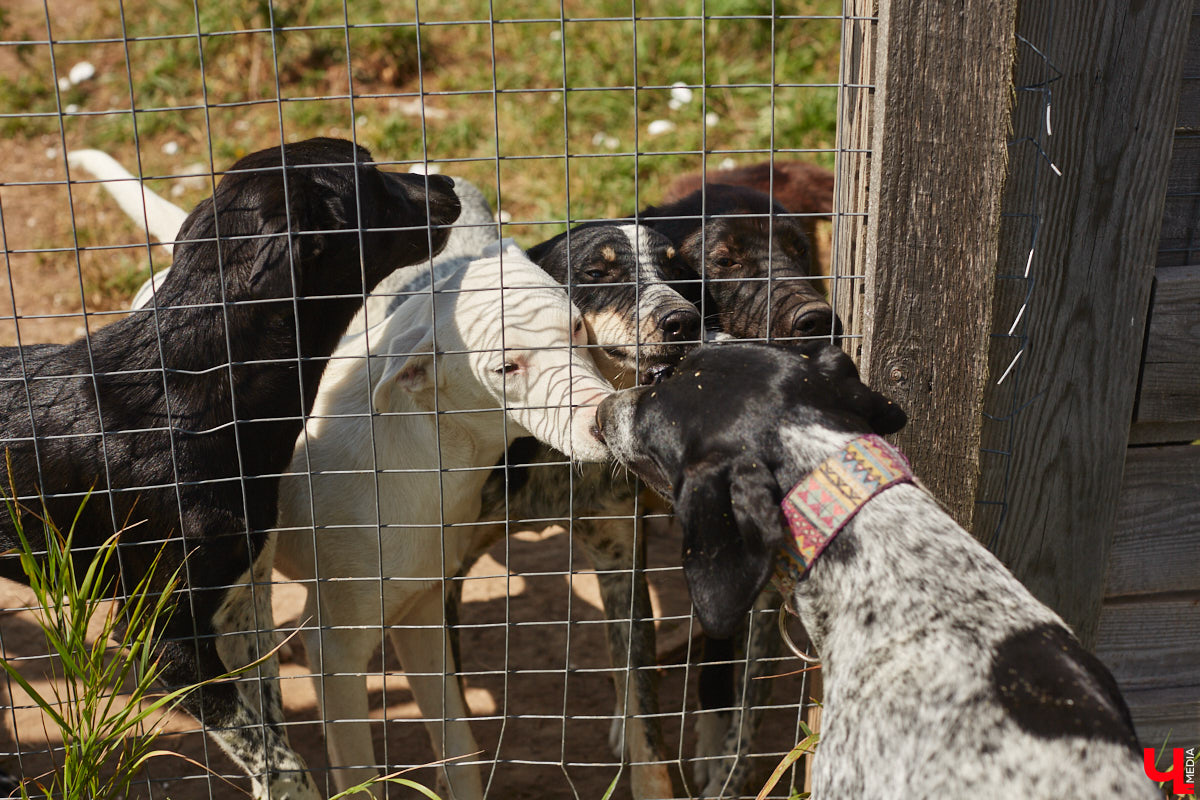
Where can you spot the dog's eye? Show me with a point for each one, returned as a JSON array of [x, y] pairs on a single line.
[[509, 366], [723, 262], [594, 274]]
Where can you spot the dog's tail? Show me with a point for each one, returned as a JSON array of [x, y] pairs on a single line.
[[161, 218]]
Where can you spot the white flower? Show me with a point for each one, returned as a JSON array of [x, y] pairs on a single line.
[[170, 148], [681, 93], [711, 118], [728, 163], [660, 126], [83, 71]]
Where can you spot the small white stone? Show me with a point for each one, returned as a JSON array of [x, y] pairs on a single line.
[[361, 119], [83, 71], [681, 92], [556, 36], [598, 139], [728, 163], [674, 104], [64, 84], [51, 153], [660, 126], [612, 142], [170, 148], [504, 216], [711, 118], [178, 189], [241, 125], [424, 169], [71, 108]]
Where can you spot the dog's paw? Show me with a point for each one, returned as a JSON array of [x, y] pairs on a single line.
[[711, 731], [291, 786]]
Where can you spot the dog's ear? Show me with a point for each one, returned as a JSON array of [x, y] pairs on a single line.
[[733, 528], [283, 244], [881, 414], [409, 366]]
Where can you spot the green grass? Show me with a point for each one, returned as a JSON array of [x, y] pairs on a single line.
[[222, 93], [107, 735]]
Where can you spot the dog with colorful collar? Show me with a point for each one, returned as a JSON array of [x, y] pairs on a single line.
[[944, 676]]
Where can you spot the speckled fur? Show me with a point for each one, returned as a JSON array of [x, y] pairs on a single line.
[[944, 677]]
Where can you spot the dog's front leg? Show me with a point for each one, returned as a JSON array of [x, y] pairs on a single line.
[[616, 549], [244, 622], [339, 657], [424, 649]]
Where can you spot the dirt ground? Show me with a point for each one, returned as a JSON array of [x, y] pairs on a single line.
[[539, 687]]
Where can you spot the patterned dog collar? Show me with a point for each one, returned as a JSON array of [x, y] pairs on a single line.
[[821, 504]]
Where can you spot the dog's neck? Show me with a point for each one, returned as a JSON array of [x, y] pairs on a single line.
[[901, 565]]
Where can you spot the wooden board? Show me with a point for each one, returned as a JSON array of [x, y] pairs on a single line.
[[1179, 237], [1113, 118], [1156, 544], [1151, 644], [1170, 385], [851, 199], [939, 146], [1166, 715]]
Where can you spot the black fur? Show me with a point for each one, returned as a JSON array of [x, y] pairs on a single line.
[[183, 415], [755, 262], [1053, 688], [725, 472]]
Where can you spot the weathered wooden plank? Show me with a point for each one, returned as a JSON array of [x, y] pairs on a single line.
[[1164, 432], [1179, 238], [1170, 386], [939, 142], [1166, 715], [1113, 117], [1151, 644], [1156, 544], [851, 195]]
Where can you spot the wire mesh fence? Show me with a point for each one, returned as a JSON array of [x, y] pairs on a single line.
[[440, 590]]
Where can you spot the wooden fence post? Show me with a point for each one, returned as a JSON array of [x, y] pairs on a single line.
[[938, 140], [1060, 458]]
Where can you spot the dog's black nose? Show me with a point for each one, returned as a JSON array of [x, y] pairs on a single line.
[[681, 325], [657, 374], [814, 323]]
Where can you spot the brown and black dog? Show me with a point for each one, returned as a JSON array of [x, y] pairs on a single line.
[[799, 186], [749, 264]]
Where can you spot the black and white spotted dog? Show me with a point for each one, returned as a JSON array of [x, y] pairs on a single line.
[[183, 415], [749, 265], [944, 676]]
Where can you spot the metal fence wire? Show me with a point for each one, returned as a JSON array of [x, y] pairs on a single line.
[[570, 631]]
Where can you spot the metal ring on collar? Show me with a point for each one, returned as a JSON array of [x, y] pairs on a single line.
[[787, 639]]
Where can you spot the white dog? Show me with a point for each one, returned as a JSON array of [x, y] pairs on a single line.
[[497, 357]]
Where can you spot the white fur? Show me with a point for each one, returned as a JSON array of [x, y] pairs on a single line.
[[386, 486]]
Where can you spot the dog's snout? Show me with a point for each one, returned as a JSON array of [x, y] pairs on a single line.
[[657, 374], [681, 325], [814, 323]]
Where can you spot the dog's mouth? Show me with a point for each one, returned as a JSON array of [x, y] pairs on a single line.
[[653, 364]]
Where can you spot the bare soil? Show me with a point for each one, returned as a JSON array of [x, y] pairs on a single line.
[[538, 686]]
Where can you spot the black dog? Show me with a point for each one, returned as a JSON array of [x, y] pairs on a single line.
[[935, 656], [750, 263], [183, 415]]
